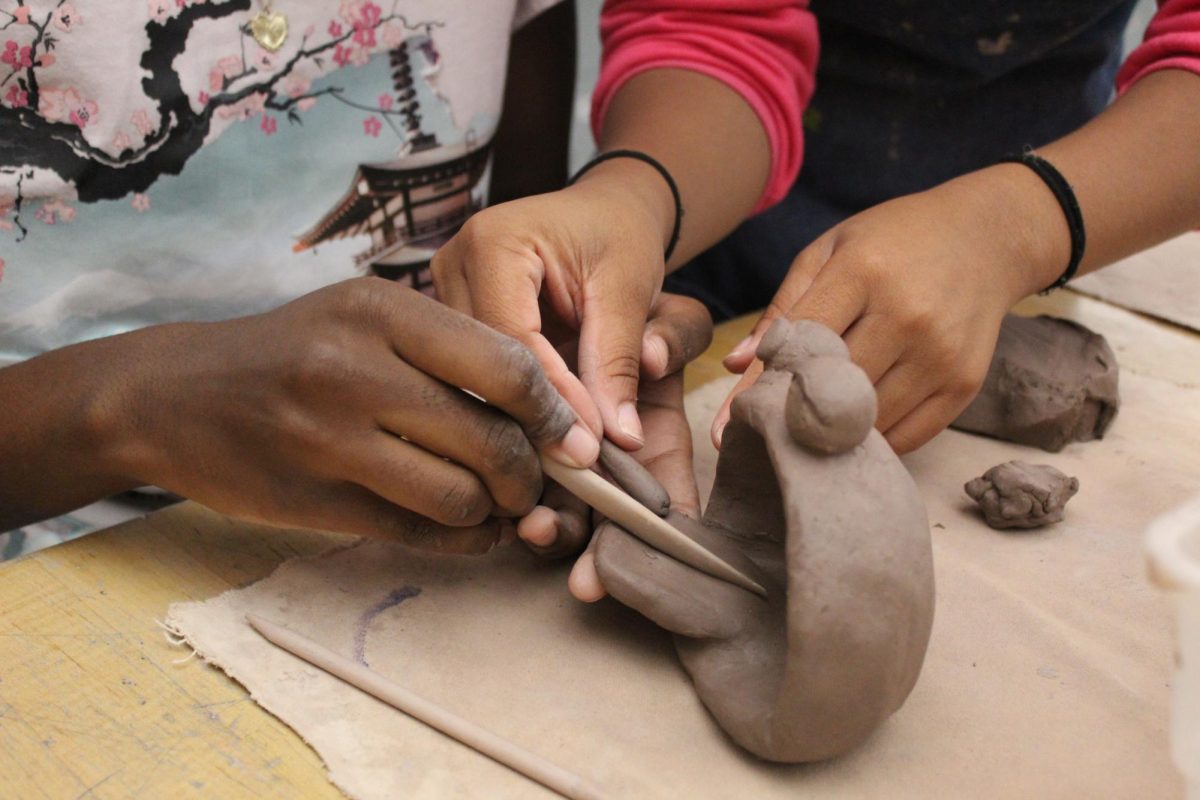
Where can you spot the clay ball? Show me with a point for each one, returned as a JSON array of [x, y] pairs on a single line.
[[830, 406], [786, 344]]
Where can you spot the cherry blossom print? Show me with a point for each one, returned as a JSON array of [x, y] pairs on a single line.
[[244, 109], [2, 265], [121, 142], [296, 85], [16, 97], [220, 76], [372, 126], [17, 56], [392, 34], [53, 212], [141, 121], [264, 61], [335, 30], [83, 113], [140, 203], [386, 102], [65, 18], [46, 60], [269, 125], [61, 105], [20, 15], [160, 10]]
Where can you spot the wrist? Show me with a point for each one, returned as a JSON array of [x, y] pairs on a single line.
[[121, 416], [1031, 236], [630, 182]]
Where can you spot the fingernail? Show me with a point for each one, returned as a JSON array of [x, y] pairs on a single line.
[[628, 421], [657, 354], [719, 431], [740, 351], [580, 446]]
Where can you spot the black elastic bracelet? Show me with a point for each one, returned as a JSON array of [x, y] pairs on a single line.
[[1065, 196], [640, 156]]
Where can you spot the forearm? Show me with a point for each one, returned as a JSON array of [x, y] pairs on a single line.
[[58, 442], [706, 135], [1135, 170], [1136, 167]]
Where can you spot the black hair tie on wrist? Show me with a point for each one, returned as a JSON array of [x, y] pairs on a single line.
[[653, 162], [1065, 196]]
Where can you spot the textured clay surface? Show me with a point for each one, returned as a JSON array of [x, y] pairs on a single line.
[[635, 479], [841, 541], [1021, 495], [1051, 382]]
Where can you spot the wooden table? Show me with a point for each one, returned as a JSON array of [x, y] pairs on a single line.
[[92, 700]]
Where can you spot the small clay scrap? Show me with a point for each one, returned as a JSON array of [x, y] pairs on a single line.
[[1021, 495], [811, 496], [1051, 382], [634, 478]]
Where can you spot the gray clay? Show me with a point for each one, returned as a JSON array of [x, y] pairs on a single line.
[[841, 543], [1020, 495], [635, 479], [1051, 382], [830, 406]]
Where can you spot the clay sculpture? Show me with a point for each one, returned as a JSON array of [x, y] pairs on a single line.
[[1051, 382], [810, 500], [1021, 495]]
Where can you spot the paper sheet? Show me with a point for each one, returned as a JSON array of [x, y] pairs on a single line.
[[1163, 281], [1047, 675]]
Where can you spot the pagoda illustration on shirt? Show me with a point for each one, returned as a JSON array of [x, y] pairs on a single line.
[[412, 205]]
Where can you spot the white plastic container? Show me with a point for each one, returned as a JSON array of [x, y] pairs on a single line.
[[1173, 544]]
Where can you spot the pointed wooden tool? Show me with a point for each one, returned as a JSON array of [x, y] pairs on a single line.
[[533, 766], [655, 531]]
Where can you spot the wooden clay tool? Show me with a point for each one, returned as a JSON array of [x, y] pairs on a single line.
[[643, 523], [532, 766]]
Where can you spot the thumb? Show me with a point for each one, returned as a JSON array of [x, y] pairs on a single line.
[[804, 270], [678, 331], [610, 352]]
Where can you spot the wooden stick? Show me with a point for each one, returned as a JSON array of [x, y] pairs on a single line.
[[631, 515], [553, 777]]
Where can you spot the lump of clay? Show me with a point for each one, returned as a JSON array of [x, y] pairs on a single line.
[[1020, 495], [841, 543], [1051, 382], [830, 406], [635, 479]]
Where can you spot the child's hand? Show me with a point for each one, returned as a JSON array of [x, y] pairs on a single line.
[[562, 524], [918, 287], [586, 261], [342, 410]]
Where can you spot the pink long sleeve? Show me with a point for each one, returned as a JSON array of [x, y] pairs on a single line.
[[766, 50], [1172, 41]]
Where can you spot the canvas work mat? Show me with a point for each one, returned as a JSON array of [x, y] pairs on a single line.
[[1163, 281], [1047, 674]]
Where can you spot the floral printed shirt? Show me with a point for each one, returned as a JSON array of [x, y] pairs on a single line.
[[158, 163]]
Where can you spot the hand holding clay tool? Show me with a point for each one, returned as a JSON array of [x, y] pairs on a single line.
[[532, 766], [643, 523]]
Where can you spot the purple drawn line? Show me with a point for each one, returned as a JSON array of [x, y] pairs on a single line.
[[394, 598]]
